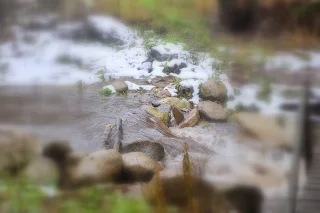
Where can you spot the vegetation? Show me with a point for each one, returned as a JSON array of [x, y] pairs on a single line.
[[105, 92]]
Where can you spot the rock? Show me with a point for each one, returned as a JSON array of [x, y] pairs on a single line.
[[213, 90], [162, 116], [17, 149], [154, 54], [137, 166], [212, 111], [177, 115], [174, 66], [98, 167], [42, 170], [267, 129], [173, 101], [120, 86], [75, 157], [174, 189], [152, 149], [192, 119]]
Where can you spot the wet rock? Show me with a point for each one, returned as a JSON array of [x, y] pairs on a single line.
[[174, 66], [173, 101], [120, 86], [17, 149], [191, 119], [98, 167], [213, 90], [154, 54], [178, 190], [267, 129], [137, 166], [162, 116], [152, 149], [42, 170], [212, 111], [177, 115]]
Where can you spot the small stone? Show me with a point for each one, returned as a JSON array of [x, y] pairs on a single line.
[[163, 116], [177, 115], [137, 166], [212, 111], [120, 86], [192, 119], [213, 90], [173, 101]]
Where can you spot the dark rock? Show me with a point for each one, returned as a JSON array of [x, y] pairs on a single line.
[[174, 66], [156, 55]]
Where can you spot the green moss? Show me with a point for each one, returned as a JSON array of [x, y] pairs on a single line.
[[105, 92]]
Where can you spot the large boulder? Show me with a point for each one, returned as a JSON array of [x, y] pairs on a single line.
[[192, 119], [213, 90], [98, 167], [212, 111], [137, 166], [267, 129], [17, 149]]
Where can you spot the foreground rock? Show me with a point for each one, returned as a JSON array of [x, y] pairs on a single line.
[[98, 167], [212, 111], [120, 86], [42, 171], [176, 102], [192, 119], [213, 90], [267, 129], [137, 166], [17, 149]]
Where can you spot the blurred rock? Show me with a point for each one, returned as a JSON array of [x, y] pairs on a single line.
[[137, 166], [17, 149], [213, 90], [42, 170], [212, 111], [98, 167], [267, 129], [191, 119]]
